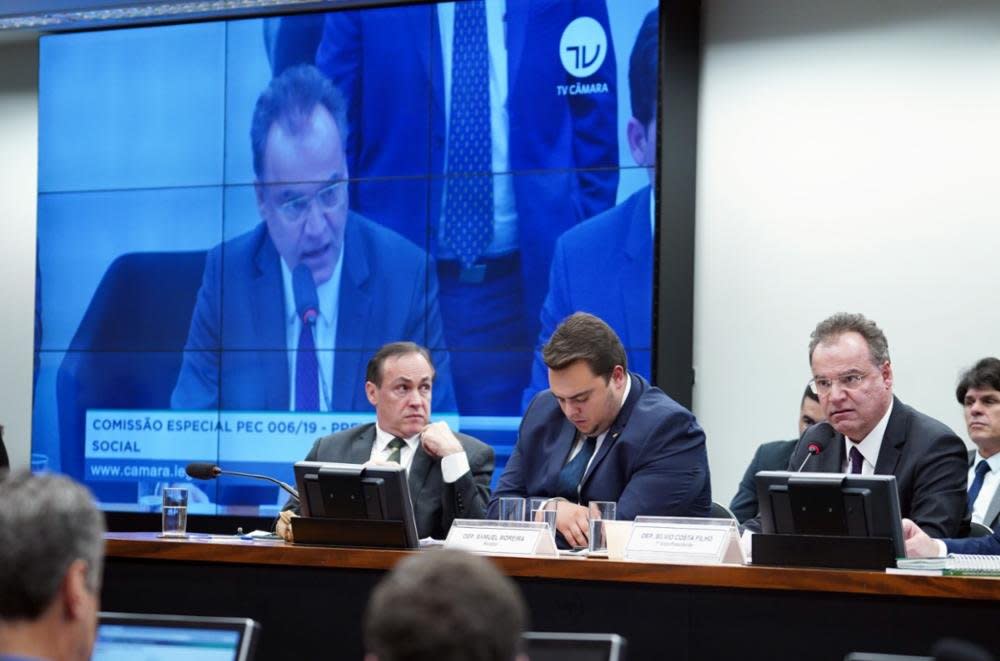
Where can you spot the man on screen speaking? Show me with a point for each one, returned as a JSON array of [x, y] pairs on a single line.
[[605, 265], [264, 334]]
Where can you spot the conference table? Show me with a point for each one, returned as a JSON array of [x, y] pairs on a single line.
[[310, 600]]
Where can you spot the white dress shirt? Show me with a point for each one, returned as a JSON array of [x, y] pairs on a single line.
[[869, 446], [990, 482], [453, 466]]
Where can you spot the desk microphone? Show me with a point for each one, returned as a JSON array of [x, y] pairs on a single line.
[[205, 471], [825, 433], [306, 298]]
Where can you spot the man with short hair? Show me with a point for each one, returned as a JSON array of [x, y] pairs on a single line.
[[773, 456], [876, 433], [445, 605], [448, 473], [51, 557], [248, 347], [979, 394], [601, 432], [620, 239]]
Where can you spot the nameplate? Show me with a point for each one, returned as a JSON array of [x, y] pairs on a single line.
[[501, 537], [684, 540]]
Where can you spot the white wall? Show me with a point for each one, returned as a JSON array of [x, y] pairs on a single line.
[[18, 181], [847, 161]]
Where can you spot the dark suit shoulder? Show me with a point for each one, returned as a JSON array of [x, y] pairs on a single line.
[[920, 426], [605, 226], [380, 237], [472, 445], [331, 447], [774, 455]]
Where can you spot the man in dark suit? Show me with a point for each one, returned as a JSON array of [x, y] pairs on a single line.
[[478, 94], [875, 433], [449, 474], [773, 456], [978, 392], [248, 347], [605, 265], [601, 432]]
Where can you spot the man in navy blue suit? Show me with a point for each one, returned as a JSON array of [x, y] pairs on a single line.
[[605, 264], [603, 433], [457, 92], [247, 348]]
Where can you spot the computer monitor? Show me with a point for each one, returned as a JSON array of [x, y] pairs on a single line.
[[354, 505], [834, 504], [548, 646], [130, 636]]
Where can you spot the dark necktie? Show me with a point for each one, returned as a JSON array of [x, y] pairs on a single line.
[[856, 460], [396, 447], [468, 213], [306, 372], [977, 483], [572, 473]]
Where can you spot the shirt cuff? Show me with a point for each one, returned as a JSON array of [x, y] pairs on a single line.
[[942, 548], [454, 466]]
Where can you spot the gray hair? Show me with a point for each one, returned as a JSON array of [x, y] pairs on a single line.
[[46, 523], [851, 322]]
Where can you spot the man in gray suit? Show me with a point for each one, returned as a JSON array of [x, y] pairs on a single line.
[[449, 473], [979, 394]]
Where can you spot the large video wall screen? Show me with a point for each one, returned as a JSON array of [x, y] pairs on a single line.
[[478, 171]]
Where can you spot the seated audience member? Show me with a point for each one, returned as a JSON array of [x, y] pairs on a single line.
[[445, 605], [449, 473], [979, 394], [51, 556], [773, 456], [873, 432], [601, 432]]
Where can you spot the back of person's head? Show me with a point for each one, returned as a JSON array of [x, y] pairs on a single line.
[[642, 67], [444, 605], [984, 375], [47, 522], [582, 336]]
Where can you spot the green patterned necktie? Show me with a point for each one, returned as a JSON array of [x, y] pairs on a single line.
[[396, 445]]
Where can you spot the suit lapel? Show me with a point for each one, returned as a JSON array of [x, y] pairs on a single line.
[[420, 467], [269, 318], [558, 455], [617, 427], [352, 321], [893, 440], [359, 449]]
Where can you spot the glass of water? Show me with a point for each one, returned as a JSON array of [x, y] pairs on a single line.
[[175, 512], [600, 511], [511, 508], [543, 509]]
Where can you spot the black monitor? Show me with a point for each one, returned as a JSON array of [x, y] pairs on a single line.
[[169, 637], [354, 505], [831, 504], [549, 646]]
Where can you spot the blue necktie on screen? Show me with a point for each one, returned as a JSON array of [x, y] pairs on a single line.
[[572, 473], [977, 482], [857, 459], [468, 213], [306, 372]]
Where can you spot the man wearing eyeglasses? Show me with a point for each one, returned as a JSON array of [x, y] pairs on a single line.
[[878, 434], [247, 348]]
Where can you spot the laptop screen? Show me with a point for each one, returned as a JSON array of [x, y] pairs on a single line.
[[545, 646], [131, 636]]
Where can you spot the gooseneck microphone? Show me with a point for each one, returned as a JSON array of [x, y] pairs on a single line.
[[204, 471], [824, 433], [304, 290]]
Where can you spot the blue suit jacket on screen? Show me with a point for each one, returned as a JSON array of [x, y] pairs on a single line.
[[236, 354], [604, 266], [388, 63], [652, 461]]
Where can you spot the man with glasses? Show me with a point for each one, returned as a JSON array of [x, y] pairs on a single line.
[[249, 346], [878, 434]]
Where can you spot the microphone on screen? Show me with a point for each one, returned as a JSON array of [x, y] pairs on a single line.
[[820, 436], [205, 471], [304, 290]]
